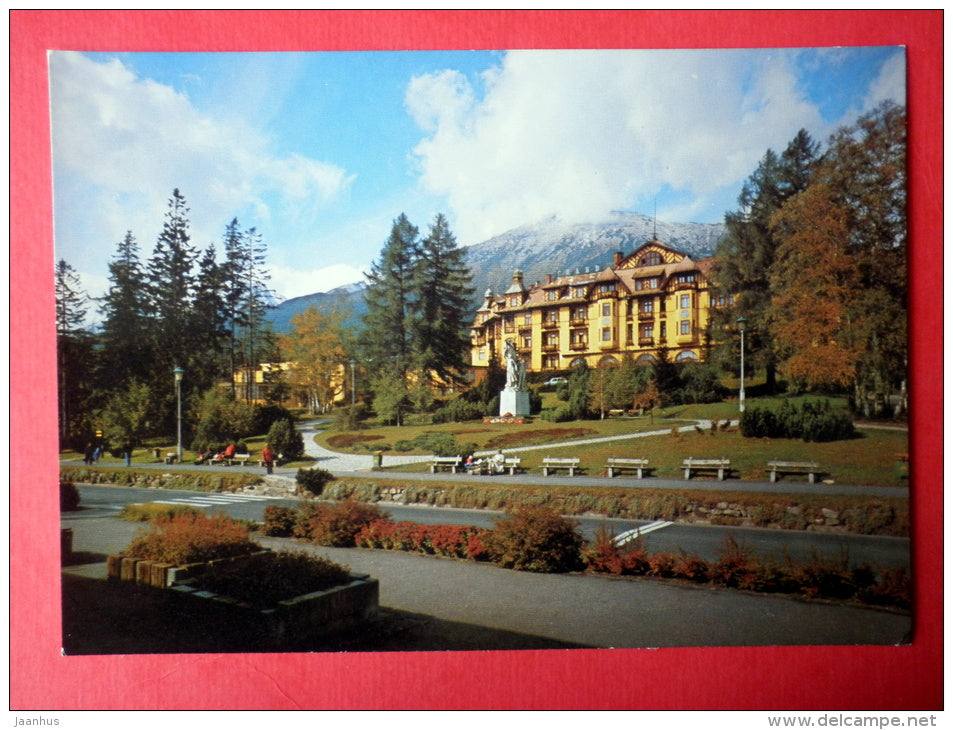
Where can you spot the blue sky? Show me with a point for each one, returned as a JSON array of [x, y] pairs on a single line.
[[320, 152]]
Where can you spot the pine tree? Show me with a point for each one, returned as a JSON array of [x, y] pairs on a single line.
[[747, 251], [247, 297], [73, 354], [171, 289], [124, 341], [441, 303], [388, 324], [208, 334]]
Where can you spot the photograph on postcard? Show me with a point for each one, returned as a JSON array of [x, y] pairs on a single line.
[[478, 350]]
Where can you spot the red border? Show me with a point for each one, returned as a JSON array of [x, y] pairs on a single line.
[[801, 678]]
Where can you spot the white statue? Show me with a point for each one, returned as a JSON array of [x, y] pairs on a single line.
[[515, 368]]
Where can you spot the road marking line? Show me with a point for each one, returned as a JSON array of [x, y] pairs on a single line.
[[637, 532]]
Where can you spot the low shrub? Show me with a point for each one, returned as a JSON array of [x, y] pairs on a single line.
[[336, 525], [459, 410], [279, 521], [536, 538], [808, 421], [69, 496], [313, 481], [453, 541], [152, 511], [192, 538], [264, 579]]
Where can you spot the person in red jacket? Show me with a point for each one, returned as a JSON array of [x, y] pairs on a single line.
[[229, 451], [268, 456]]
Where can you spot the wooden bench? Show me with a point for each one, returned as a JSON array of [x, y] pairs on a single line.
[[793, 467], [553, 463], [721, 466], [512, 464], [445, 462], [240, 459], [619, 465]]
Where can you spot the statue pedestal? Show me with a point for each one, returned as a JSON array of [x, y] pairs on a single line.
[[514, 402]]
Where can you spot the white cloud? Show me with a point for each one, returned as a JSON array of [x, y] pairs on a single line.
[[121, 144], [891, 83], [295, 282], [579, 133]]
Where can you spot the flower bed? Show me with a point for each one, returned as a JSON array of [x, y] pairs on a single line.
[[277, 613]]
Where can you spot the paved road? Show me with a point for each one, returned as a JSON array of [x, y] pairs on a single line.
[[706, 541], [449, 604]]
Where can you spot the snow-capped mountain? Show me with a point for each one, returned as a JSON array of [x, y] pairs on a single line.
[[548, 247]]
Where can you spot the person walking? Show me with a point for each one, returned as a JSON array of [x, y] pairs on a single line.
[[88, 454], [268, 456], [127, 452]]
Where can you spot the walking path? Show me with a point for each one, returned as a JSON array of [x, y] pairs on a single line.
[[341, 464]]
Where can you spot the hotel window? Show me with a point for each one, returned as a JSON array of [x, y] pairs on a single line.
[[580, 313], [685, 301], [552, 315], [647, 331], [607, 288], [607, 309], [551, 295], [551, 362], [580, 292], [514, 301], [685, 327], [652, 258], [527, 318], [648, 306], [578, 337], [528, 341], [552, 338], [607, 334], [482, 355]]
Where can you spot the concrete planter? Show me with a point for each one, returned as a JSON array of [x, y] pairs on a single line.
[[284, 623]]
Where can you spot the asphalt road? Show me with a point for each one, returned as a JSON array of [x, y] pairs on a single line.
[[702, 540]]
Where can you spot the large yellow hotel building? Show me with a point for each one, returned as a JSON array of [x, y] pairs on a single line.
[[654, 297]]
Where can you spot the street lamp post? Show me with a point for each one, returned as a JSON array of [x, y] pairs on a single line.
[[353, 388], [741, 393], [178, 372]]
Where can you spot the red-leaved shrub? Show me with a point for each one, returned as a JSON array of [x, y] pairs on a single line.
[[536, 538], [336, 525], [192, 538]]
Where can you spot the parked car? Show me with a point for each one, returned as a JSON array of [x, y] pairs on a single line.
[[556, 381]]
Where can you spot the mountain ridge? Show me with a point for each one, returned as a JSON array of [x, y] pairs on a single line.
[[548, 247]]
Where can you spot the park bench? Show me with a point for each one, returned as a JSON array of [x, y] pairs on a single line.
[[240, 459], [551, 463], [445, 462], [721, 466], [512, 464], [793, 467], [639, 466]]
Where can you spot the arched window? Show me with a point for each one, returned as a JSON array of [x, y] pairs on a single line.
[[577, 362], [645, 359], [608, 361], [651, 258], [686, 356]]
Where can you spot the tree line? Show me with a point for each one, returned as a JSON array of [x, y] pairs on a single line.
[[815, 257], [180, 308]]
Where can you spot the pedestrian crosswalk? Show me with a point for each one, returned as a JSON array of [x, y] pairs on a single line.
[[215, 500]]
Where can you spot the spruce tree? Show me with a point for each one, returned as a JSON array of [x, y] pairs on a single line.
[[124, 340], [389, 326], [171, 288], [747, 250], [73, 353], [441, 303]]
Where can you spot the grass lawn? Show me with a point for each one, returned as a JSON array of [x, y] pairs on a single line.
[[486, 436]]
